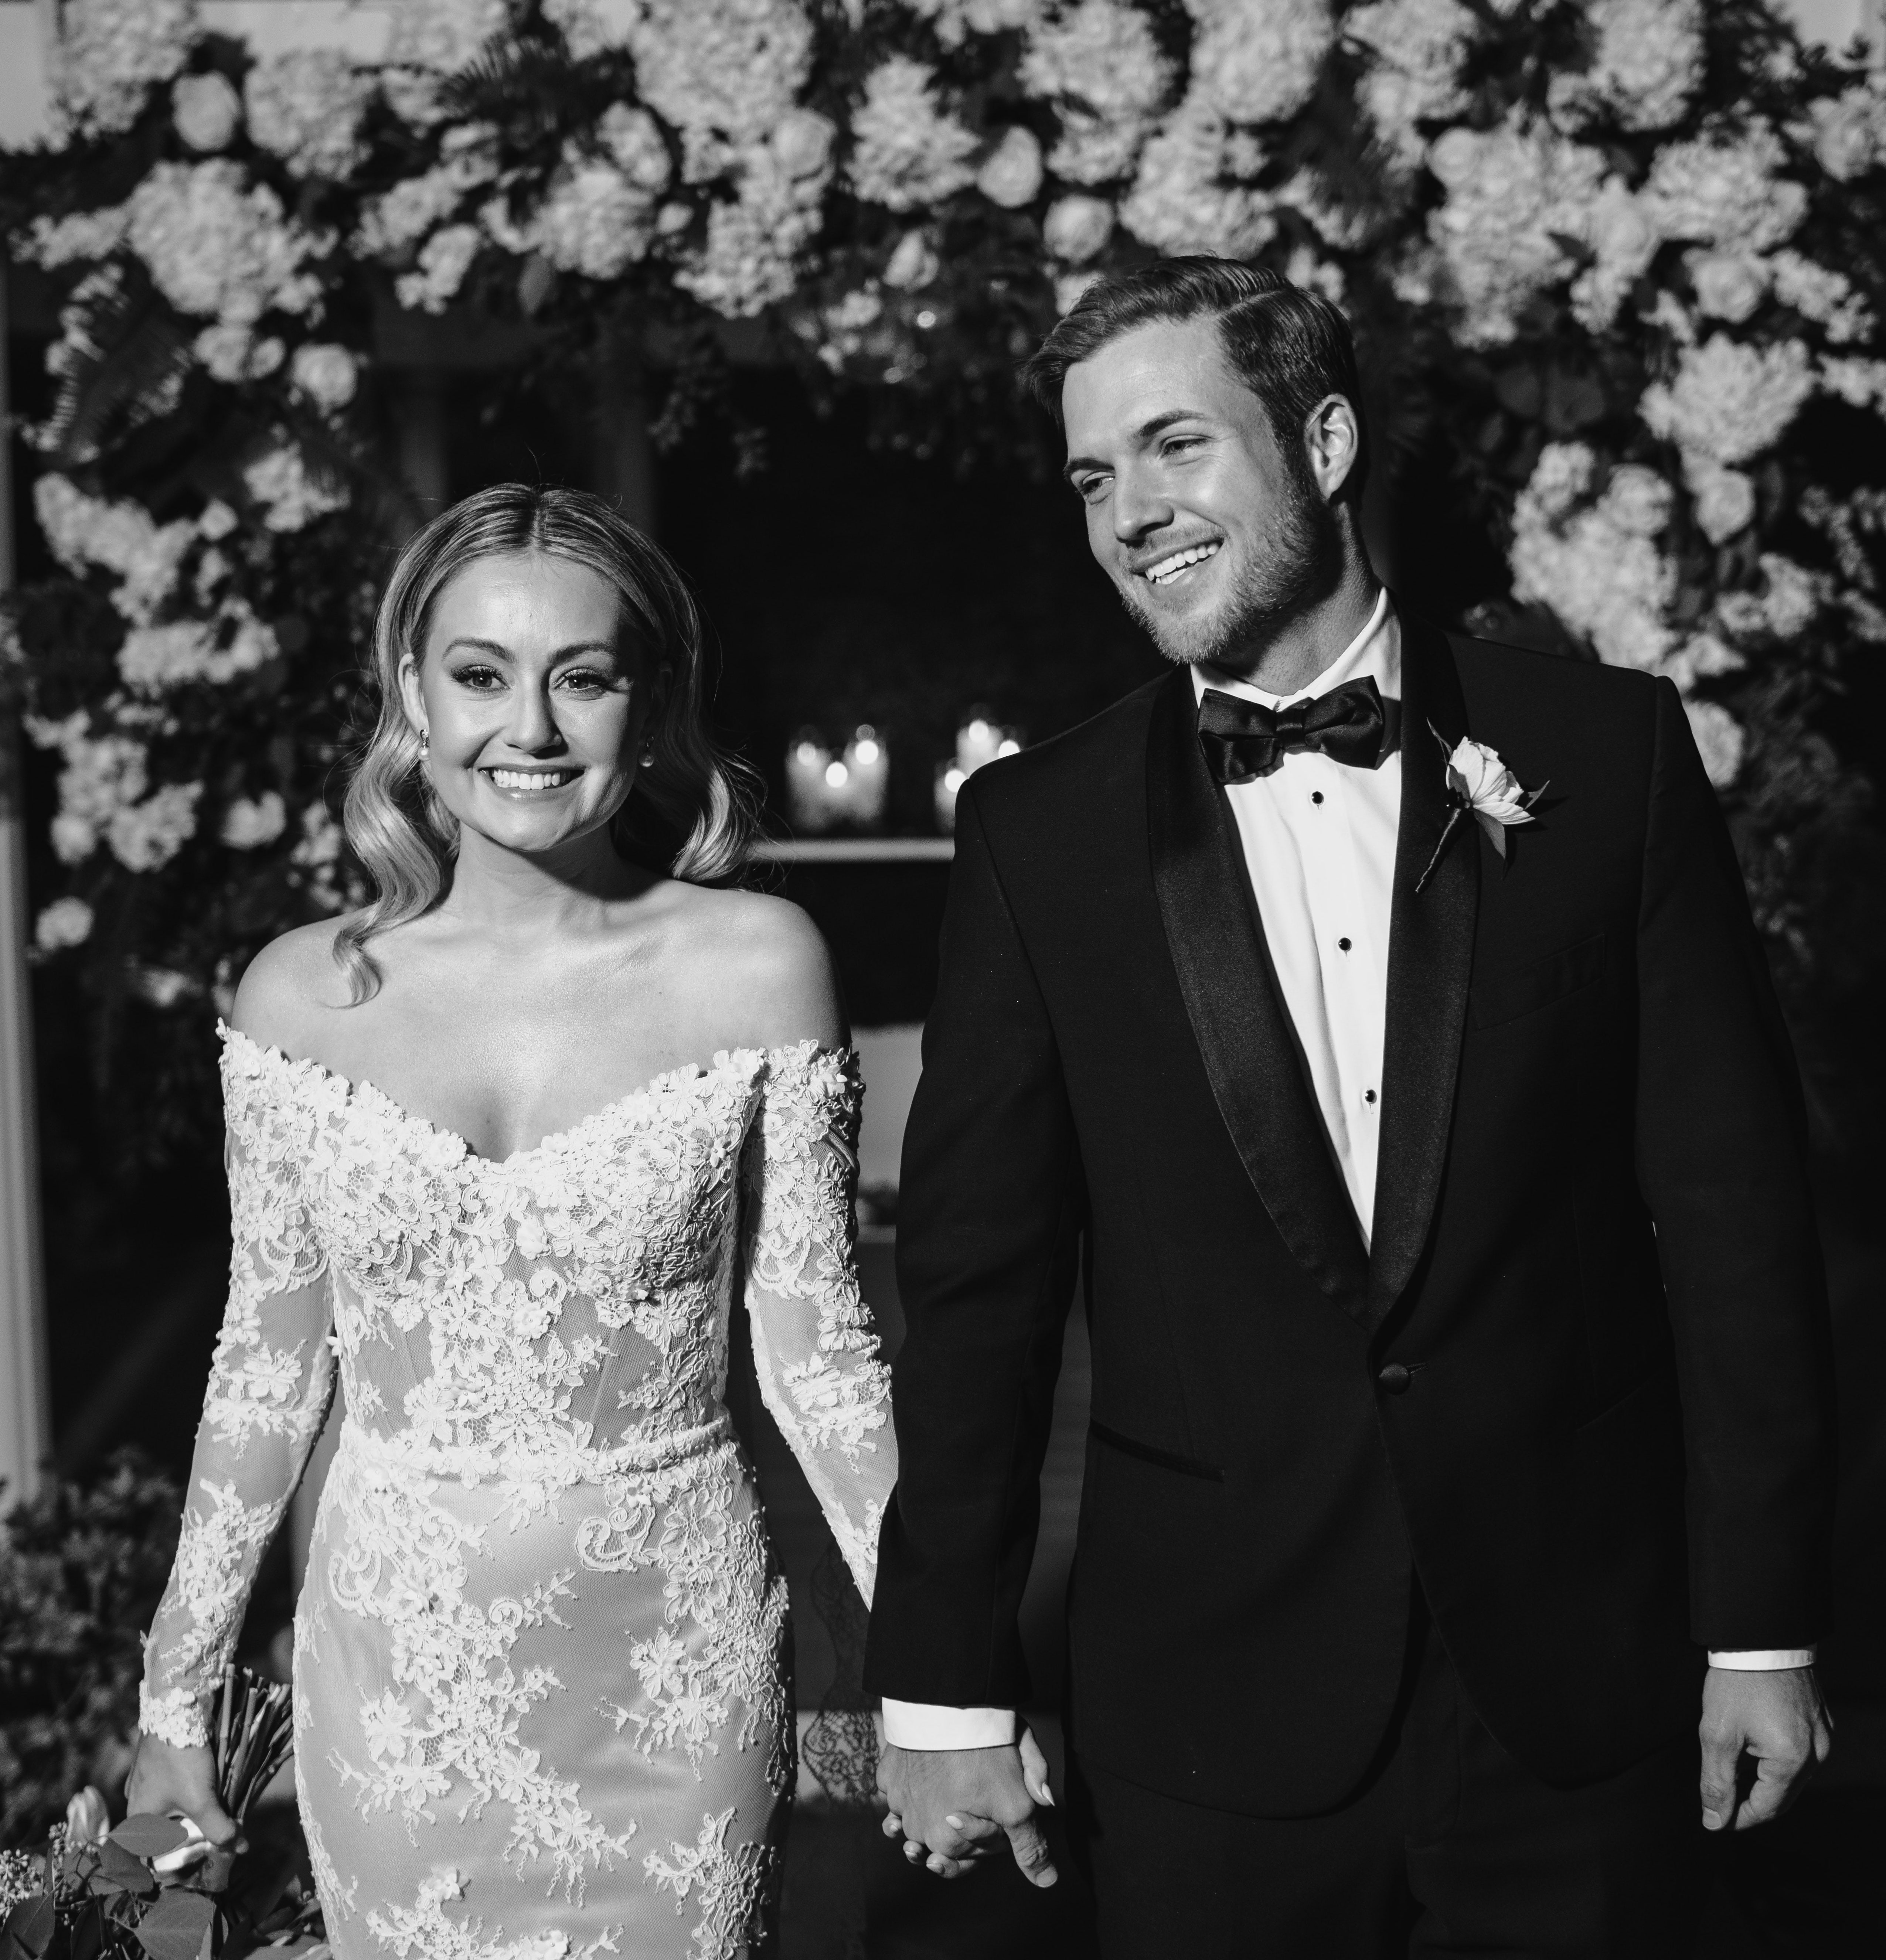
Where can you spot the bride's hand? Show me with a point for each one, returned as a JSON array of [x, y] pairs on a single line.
[[957, 1804], [169, 1782]]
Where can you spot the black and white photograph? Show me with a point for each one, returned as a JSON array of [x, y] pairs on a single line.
[[942, 979]]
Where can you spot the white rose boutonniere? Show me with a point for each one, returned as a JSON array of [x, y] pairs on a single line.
[[1479, 785]]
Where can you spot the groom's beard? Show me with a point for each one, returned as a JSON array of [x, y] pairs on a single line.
[[1291, 568]]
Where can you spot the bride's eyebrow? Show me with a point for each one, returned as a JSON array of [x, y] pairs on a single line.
[[497, 650]]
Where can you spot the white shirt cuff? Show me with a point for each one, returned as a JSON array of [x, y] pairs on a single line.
[[927, 1725], [1753, 1660]]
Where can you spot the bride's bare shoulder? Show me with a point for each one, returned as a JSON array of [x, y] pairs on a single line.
[[765, 967], [292, 985]]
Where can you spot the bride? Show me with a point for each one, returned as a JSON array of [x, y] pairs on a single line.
[[500, 1146]]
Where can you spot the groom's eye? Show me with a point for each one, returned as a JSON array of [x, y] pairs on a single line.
[[1088, 488]]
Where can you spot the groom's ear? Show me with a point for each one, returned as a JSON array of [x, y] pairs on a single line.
[[1333, 445]]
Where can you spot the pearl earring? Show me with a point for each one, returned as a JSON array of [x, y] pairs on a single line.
[[648, 759], [426, 743]]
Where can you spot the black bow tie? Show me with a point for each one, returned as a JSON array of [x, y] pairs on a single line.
[[1243, 740]]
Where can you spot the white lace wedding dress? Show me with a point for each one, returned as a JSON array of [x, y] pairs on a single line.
[[541, 1703]]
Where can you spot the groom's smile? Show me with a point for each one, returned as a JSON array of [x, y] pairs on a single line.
[[1213, 533]]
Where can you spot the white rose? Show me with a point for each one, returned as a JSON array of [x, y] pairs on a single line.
[[1012, 175], [87, 1821], [207, 110], [326, 372], [802, 143], [65, 922], [1077, 228], [1489, 787], [913, 264], [1729, 285], [74, 838], [251, 821], [1725, 498]]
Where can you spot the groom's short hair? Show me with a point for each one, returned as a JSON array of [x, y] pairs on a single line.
[[1290, 346]]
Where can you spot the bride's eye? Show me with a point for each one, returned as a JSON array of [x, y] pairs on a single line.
[[586, 681], [482, 679]]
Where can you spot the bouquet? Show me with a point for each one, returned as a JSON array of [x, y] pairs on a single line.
[[154, 1888]]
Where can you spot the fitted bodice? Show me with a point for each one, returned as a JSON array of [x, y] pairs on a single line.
[[555, 1319], [554, 1312]]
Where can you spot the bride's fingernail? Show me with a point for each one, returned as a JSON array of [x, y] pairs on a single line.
[[954, 1822]]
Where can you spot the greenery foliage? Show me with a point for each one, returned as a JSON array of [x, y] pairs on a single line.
[[82, 1568]]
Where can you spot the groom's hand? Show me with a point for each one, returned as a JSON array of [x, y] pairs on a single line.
[[1779, 1718], [956, 1804]]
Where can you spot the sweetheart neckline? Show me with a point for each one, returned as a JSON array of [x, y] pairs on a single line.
[[684, 1073]]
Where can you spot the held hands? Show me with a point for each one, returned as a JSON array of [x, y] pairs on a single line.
[[1780, 1719], [956, 1804], [169, 1782]]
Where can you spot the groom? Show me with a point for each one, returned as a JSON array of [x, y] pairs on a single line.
[[1429, 1148]]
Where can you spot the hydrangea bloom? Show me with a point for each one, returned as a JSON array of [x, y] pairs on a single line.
[[1512, 191], [444, 260], [1723, 190], [1597, 566], [101, 774], [594, 220], [305, 107], [1849, 130], [1416, 47], [909, 151], [145, 836], [1646, 64], [1099, 63], [154, 659], [724, 73], [78, 236], [122, 537], [445, 35], [1179, 201], [218, 246], [1257, 61], [749, 260], [291, 498], [110, 54], [1730, 401]]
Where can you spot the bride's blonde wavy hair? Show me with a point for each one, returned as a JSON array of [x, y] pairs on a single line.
[[693, 810]]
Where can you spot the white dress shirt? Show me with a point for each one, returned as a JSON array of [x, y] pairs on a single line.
[[1319, 838]]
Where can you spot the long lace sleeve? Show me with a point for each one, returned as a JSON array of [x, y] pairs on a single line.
[[270, 1383], [815, 1351]]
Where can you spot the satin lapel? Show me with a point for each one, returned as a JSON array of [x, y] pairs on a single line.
[[1430, 962], [1237, 1014]]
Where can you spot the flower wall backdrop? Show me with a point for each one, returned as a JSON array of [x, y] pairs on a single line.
[[1629, 255]]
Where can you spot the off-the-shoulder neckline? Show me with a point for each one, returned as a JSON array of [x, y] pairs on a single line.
[[687, 1074]]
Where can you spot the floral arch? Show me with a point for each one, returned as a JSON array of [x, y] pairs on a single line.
[[1626, 252]]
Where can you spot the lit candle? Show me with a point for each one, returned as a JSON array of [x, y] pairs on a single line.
[[809, 764], [869, 767], [949, 779]]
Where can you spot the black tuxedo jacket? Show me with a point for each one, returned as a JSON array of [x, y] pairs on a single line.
[[1580, 1383]]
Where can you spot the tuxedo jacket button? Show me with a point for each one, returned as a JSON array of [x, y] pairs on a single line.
[[1394, 1379]]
